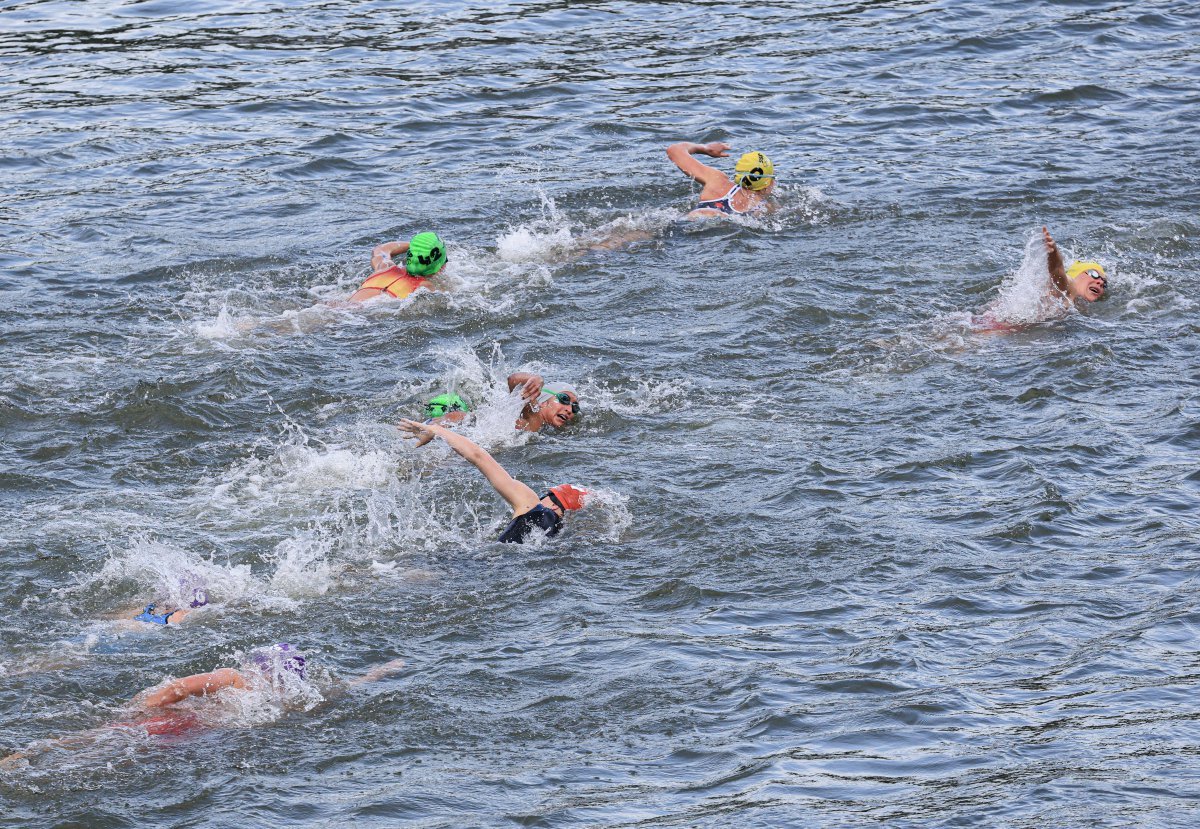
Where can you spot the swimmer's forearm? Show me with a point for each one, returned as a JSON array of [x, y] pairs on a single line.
[[377, 673], [463, 445], [685, 147], [1054, 262], [381, 255], [682, 149], [391, 248], [191, 686], [460, 444]]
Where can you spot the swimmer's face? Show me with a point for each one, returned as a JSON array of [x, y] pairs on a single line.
[[559, 414], [1089, 285]]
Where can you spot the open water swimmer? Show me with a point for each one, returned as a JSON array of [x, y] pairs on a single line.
[[424, 256], [747, 192], [531, 512], [1082, 280], [277, 673], [157, 613], [1041, 293]]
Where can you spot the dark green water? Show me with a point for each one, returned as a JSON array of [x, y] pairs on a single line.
[[853, 563]]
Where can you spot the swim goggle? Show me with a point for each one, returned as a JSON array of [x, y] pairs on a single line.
[[564, 398], [444, 407], [1094, 274]]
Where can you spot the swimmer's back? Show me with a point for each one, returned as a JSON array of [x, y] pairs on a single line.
[[394, 282]]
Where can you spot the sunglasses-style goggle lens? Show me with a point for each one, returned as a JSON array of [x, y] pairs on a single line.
[[565, 399]]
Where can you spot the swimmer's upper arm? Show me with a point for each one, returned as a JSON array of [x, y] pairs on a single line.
[[509, 488], [519, 496]]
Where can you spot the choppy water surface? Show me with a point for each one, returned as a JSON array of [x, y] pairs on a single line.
[[853, 563]]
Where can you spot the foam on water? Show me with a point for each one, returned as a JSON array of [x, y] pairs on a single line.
[[556, 237], [162, 572], [1022, 295]]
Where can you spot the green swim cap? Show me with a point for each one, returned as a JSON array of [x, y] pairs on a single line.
[[443, 403], [426, 255]]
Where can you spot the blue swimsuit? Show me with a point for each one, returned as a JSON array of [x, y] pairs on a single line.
[[148, 615], [521, 526]]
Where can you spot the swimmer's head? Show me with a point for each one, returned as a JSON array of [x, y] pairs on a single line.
[[566, 496], [192, 584], [443, 403], [276, 659], [558, 407], [754, 171], [1087, 280], [426, 255]]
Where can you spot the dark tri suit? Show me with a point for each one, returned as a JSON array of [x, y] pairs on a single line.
[[520, 528]]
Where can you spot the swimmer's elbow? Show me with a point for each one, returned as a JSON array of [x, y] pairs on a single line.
[[475, 454]]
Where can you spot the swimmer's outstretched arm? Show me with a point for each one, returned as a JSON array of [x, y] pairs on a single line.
[[377, 673], [1054, 262], [531, 384], [519, 496], [178, 614], [83, 739], [195, 685], [381, 255], [681, 155]]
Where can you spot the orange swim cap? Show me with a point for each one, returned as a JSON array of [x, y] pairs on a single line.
[[568, 497]]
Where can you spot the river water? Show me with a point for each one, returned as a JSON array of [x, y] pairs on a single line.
[[850, 561]]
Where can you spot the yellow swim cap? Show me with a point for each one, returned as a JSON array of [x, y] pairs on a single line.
[[754, 171], [1078, 268]]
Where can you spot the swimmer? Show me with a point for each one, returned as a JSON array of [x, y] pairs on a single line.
[[748, 191], [425, 256], [557, 406], [160, 614], [1083, 280], [95, 639], [529, 510], [272, 670]]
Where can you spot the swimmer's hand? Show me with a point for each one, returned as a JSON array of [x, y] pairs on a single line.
[[716, 149], [424, 432], [1051, 247], [532, 387]]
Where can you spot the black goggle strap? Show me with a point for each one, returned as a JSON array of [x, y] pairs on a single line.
[[557, 502], [442, 408]]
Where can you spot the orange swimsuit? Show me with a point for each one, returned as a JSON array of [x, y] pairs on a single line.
[[395, 282]]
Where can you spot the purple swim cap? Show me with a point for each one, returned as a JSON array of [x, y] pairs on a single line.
[[194, 584], [281, 657]]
